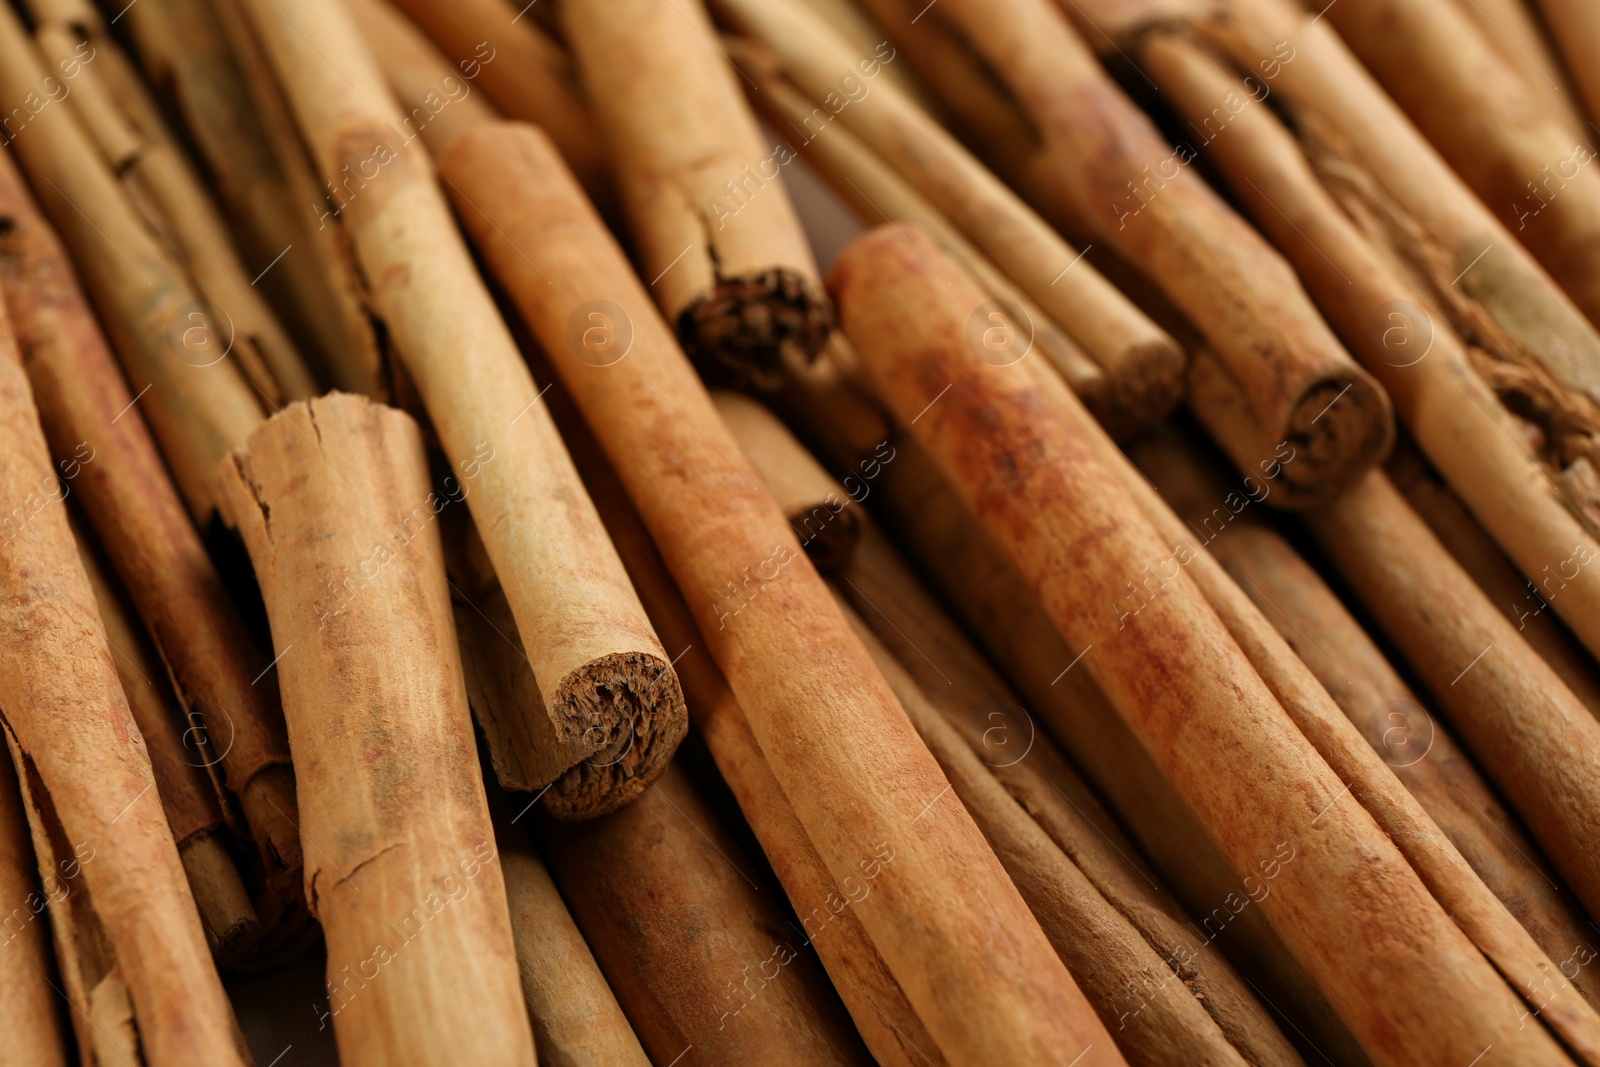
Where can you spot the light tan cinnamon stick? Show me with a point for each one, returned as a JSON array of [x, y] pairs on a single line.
[[402, 872], [715, 527], [1053, 500], [1119, 337], [186, 793], [1575, 26], [105, 451], [70, 728], [198, 403], [1420, 749], [1523, 39], [607, 681], [698, 955], [30, 1010], [716, 233], [954, 678]]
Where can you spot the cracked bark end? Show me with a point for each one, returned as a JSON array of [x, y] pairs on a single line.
[[630, 705], [742, 329], [1141, 388], [1340, 429]]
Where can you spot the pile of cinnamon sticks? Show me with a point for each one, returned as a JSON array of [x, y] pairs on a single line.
[[1138, 604]]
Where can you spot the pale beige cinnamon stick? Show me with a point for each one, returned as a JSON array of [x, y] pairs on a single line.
[[716, 233], [403, 872], [955, 679], [697, 953], [105, 451], [1068, 524], [30, 1010], [186, 794], [715, 527], [69, 725], [1119, 337], [198, 403], [607, 681], [1420, 749]]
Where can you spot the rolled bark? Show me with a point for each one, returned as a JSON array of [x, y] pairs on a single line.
[[1422, 752], [186, 794], [684, 936], [1119, 337], [1546, 756], [728, 260], [1440, 381], [608, 681], [1526, 162], [878, 1006], [1070, 528], [198, 403], [954, 679], [392, 806], [69, 723], [714, 524], [1576, 29], [529, 78], [30, 1012], [1523, 39], [105, 450]]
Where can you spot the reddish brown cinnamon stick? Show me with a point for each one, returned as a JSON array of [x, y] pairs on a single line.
[[30, 1010]]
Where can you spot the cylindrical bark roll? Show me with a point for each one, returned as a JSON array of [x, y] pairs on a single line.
[[524, 73], [65, 711], [30, 1011], [100, 438], [1115, 333], [1112, 963], [1525, 162], [1514, 28], [1300, 385], [402, 871], [1530, 734], [1575, 25], [1176, 674], [606, 681], [698, 954], [950, 674], [198, 402], [1440, 387], [186, 793], [717, 236], [955, 934], [576, 1018], [877, 1004], [1423, 754]]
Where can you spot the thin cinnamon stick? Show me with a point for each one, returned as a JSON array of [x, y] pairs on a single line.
[[607, 681], [198, 403], [1053, 500], [70, 728], [30, 1010], [105, 451], [402, 867], [714, 525], [186, 794], [698, 955], [716, 233], [1119, 337], [1420, 749]]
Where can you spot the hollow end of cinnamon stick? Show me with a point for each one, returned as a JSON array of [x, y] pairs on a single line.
[[742, 329]]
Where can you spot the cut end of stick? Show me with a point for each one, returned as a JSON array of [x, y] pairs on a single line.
[[1340, 429], [628, 707], [744, 327], [1142, 388]]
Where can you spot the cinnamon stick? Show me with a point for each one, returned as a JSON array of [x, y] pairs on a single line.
[[69, 725], [608, 681], [1119, 337], [1575, 26], [105, 451], [1420, 749], [1053, 500], [713, 525], [30, 1012], [198, 403], [716, 233], [402, 867], [1524, 41], [186, 794]]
